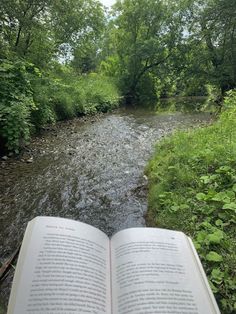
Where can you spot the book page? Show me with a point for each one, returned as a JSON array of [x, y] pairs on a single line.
[[155, 271], [63, 268]]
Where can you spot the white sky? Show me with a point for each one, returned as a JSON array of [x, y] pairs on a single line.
[[107, 3]]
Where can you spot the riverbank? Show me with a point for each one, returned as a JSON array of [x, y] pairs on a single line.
[[192, 187], [44, 138], [31, 100], [90, 171]]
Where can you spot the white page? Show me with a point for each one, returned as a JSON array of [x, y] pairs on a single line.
[[63, 268], [154, 271]]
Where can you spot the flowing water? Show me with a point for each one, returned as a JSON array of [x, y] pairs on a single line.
[[92, 171]]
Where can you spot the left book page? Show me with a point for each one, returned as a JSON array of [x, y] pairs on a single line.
[[63, 268]]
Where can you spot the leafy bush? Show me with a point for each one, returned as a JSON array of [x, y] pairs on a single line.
[[44, 112], [30, 100], [100, 93], [66, 95], [62, 102], [193, 189], [16, 103]]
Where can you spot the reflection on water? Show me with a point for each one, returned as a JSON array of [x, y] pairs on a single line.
[[182, 104], [89, 171]]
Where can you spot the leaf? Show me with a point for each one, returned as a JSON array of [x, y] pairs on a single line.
[[217, 275], [234, 187], [184, 206], [231, 206], [171, 167], [215, 237], [221, 197], [201, 196], [205, 179], [218, 222], [224, 169], [201, 236], [174, 208], [213, 287], [230, 194], [197, 245], [214, 257]]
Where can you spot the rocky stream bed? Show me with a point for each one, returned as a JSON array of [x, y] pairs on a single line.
[[89, 169]]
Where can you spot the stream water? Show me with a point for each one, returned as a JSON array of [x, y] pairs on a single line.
[[92, 171]]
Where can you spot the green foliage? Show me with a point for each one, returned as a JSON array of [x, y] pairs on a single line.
[[212, 40], [44, 112], [100, 93], [143, 37], [40, 30], [16, 103], [193, 189], [29, 100]]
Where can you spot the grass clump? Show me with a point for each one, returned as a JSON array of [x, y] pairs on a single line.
[[193, 189]]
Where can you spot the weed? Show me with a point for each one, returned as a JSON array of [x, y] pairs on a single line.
[[193, 189]]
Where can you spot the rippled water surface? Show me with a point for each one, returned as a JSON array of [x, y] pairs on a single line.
[[92, 171]]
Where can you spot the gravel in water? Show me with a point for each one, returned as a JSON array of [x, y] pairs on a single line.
[[92, 171]]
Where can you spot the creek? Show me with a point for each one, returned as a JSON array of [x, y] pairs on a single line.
[[89, 169]]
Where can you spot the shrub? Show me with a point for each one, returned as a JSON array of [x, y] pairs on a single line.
[[100, 93], [29, 100], [16, 103], [44, 112]]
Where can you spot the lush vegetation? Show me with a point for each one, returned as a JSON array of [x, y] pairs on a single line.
[[29, 99], [65, 58], [48, 53], [145, 48], [167, 48], [193, 189]]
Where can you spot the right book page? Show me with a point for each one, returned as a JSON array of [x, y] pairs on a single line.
[[157, 271]]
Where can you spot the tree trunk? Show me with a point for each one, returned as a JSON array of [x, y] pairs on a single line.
[[18, 36]]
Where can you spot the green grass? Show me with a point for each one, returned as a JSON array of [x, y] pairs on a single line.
[[65, 95], [30, 99], [99, 93], [193, 189]]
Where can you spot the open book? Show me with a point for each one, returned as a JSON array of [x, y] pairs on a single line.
[[68, 267]]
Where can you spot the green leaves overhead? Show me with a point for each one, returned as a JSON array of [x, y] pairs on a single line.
[[212, 23], [146, 34], [39, 30]]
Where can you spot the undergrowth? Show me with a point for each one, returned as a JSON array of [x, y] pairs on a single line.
[[30, 99], [193, 189]]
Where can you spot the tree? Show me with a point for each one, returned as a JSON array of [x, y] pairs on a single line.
[[212, 23], [146, 34], [23, 28], [78, 26], [39, 30]]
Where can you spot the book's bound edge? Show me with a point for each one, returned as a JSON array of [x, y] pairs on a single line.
[[203, 276], [19, 266]]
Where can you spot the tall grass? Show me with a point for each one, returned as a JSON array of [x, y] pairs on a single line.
[[30, 99], [67, 96], [192, 188]]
